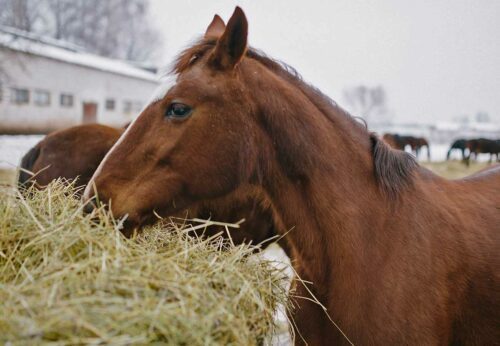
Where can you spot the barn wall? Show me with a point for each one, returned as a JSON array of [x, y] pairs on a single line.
[[85, 84]]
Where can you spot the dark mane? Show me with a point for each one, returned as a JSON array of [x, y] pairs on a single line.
[[26, 165], [393, 169]]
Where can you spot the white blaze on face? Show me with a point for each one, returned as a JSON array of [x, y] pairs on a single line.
[[161, 91]]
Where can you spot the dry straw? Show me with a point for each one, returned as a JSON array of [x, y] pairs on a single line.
[[68, 279]]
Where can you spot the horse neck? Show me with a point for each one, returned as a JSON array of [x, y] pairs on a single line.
[[318, 171]]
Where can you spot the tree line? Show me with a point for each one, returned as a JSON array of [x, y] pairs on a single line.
[[119, 29]]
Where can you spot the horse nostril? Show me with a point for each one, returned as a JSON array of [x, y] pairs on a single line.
[[89, 206]]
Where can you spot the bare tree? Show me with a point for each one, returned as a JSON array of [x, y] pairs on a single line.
[[21, 14], [65, 14], [113, 28], [368, 102]]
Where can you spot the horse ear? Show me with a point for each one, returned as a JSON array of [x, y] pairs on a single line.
[[216, 27], [232, 45]]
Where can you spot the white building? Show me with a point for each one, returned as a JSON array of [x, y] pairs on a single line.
[[46, 84]]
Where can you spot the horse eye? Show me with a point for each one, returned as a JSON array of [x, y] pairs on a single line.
[[178, 111]]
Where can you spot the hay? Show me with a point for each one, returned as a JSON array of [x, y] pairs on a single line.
[[68, 279]]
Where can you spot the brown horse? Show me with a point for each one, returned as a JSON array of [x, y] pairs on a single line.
[[75, 153], [483, 146], [418, 143], [400, 142], [396, 254], [394, 141]]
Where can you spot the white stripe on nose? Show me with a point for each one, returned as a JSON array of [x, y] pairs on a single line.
[[166, 84], [161, 91]]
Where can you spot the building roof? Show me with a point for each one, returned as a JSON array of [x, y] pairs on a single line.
[[47, 47]]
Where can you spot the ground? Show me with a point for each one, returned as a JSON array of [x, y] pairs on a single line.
[[454, 169], [7, 176]]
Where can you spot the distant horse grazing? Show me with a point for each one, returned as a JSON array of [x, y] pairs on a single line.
[[394, 141], [418, 143], [400, 142], [459, 144], [484, 146], [396, 254], [75, 153]]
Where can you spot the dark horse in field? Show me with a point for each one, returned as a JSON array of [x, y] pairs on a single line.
[[459, 144], [396, 254], [484, 146], [75, 153], [400, 142]]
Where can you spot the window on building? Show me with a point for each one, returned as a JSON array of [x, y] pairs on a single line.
[[127, 107], [66, 100], [41, 98], [110, 104], [19, 96]]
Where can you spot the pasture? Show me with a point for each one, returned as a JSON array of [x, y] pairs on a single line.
[[7, 176], [454, 169]]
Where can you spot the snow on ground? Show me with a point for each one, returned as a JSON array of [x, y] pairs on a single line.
[[13, 148], [277, 256]]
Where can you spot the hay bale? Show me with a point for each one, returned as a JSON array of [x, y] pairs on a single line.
[[68, 279]]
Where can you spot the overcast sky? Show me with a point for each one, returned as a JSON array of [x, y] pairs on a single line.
[[437, 59]]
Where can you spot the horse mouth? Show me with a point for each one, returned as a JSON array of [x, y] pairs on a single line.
[[131, 226]]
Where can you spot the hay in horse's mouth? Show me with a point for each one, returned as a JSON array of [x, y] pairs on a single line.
[[68, 279]]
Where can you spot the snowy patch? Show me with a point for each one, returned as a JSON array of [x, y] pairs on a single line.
[[13, 148]]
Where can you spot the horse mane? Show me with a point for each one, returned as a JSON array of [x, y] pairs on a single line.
[[26, 165], [393, 168]]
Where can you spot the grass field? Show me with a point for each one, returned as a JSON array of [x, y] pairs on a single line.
[[7, 176], [454, 169]]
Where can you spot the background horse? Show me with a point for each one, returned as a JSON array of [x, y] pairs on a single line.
[[394, 141], [418, 143], [395, 254], [484, 146], [400, 142], [75, 153], [459, 144]]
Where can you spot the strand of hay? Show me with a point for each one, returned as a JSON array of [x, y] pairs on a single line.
[[67, 278]]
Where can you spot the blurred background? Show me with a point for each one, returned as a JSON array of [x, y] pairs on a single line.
[[415, 68]]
